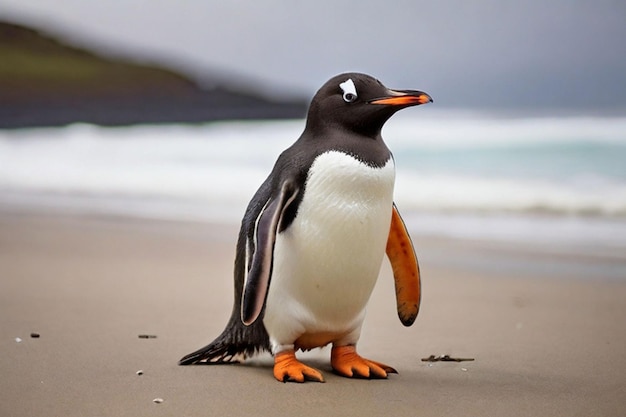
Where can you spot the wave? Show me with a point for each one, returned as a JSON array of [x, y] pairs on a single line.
[[445, 130], [450, 164], [455, 194]]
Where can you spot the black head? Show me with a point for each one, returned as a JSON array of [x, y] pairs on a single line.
[[358, 103]]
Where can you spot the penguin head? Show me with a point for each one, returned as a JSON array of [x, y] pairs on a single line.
[[359, 103]]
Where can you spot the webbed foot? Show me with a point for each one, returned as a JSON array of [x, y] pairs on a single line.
[[346, 362], [287, 368]]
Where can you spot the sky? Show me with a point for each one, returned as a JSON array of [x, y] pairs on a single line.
[[481, 54]]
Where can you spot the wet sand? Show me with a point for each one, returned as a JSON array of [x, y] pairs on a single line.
[[545, 342]]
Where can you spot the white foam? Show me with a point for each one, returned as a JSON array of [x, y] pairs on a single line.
[[465, 130], [212, 171], [491, 195]]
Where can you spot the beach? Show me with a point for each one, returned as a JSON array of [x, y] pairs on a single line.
[[544, 341]]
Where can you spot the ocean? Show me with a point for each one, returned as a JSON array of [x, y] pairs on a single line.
[[553, 181]]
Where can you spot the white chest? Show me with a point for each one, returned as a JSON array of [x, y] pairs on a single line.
[[327, 261]]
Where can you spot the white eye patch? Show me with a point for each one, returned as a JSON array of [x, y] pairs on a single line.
[[349, 90]]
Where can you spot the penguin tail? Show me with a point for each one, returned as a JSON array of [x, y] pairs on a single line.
[[234, 345], [219, 352]]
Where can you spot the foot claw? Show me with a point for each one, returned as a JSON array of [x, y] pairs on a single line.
[[346, 362], [289, 369]]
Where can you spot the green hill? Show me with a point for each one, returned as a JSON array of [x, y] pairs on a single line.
[[44, 82]]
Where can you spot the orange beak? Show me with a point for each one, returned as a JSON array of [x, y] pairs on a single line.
[[403, 98]]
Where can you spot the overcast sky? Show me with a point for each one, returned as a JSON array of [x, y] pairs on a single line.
[[556, 53]]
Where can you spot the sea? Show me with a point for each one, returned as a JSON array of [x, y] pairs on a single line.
[[557, 183]]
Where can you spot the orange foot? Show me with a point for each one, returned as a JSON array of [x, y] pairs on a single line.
[[348, 363], [288, 368]]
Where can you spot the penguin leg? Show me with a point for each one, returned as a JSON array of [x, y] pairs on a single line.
[[288, 368], [346, 362]]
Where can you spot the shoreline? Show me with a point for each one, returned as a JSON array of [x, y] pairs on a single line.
[[543, 343], [487, 251]]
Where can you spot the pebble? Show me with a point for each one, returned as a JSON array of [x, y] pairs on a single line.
[[18, 340], [140, 372], [158, 400]]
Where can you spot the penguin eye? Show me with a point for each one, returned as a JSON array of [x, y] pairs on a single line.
[[349, 91], [349, 97]]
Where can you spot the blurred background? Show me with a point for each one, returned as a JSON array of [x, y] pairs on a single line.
[[178, 109], [484, 55]]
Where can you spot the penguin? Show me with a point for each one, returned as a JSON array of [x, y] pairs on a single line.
[[313, 238]]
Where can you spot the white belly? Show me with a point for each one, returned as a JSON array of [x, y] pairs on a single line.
[[327, 261]]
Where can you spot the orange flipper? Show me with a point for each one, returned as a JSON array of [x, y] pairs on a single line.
[[406, 271], [288, 368], [346, 362]]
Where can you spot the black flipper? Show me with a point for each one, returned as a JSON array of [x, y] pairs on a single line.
[[265, 230], [253, 267]]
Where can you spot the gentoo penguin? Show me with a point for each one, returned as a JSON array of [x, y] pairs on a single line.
[[313, 238]]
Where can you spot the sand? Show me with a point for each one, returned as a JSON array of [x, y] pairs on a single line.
[[545, 342]]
